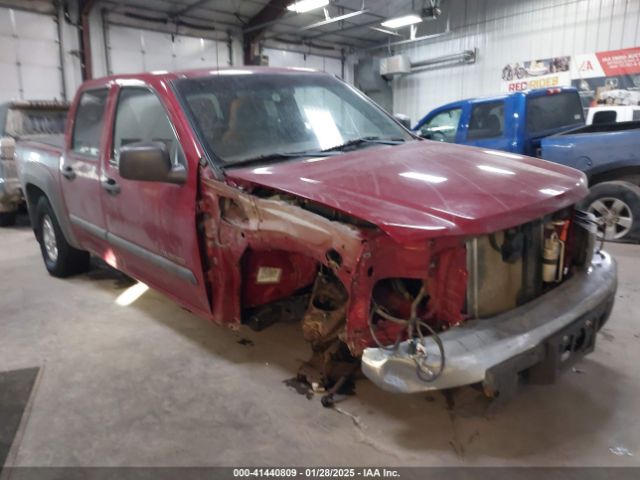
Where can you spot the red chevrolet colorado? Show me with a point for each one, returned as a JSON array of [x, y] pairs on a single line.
[[252, 195]]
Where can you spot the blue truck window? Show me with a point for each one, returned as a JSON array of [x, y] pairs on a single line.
[[487, 121], [443, 126]]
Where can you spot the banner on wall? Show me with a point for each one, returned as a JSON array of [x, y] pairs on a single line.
[[611, 77]]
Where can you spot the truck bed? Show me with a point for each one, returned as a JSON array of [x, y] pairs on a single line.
[[595, 149], [56, 141], [602, 128]]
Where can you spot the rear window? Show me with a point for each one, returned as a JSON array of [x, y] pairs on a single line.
[[605, 116], [31, 121], [552, 112]]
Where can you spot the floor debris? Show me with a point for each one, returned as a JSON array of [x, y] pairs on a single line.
[[299, 386], [621, 451]]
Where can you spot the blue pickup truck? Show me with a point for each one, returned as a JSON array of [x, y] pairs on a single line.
[[549, 123], [515, 122]]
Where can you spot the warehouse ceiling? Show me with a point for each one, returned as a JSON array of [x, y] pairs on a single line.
[[350, 24]]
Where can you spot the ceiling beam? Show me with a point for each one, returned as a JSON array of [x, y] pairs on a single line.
[[346, 24], [324, 33], [187, 8], [256, 26]]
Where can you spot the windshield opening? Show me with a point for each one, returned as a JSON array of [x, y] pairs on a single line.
[[31, 121], [551, 112], [252, 116]]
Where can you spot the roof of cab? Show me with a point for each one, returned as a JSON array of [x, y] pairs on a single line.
[[200, 72]]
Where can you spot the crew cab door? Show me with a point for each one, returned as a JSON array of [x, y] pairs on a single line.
[[80, 169], [152, 225]]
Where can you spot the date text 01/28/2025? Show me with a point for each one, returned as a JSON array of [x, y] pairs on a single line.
[[315, 473]]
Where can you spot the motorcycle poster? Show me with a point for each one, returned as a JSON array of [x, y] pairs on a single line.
[[602, 78]]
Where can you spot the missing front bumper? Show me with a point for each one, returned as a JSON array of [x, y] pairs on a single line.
[[491, 350]]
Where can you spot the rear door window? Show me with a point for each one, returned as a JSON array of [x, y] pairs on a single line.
[[487, 121], [553, 112], [443, 127], [87, 127]]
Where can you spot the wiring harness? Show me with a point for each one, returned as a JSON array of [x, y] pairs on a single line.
[[416, 336]]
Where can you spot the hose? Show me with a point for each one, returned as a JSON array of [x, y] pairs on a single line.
[[414, 325]]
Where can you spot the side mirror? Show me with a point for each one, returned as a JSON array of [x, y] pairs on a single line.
[[403, 119], [149, 162]]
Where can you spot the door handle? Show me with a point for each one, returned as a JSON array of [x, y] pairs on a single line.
[[67, 172], [111, 186]]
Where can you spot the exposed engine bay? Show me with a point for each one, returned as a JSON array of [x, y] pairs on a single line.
[[353, 287]]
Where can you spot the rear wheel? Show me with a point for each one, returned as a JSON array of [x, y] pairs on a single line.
[[616, 206], [60, 258], [7, 219]]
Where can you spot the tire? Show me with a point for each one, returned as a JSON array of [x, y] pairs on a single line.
[[7, 219], [60, 258], [616, 206]]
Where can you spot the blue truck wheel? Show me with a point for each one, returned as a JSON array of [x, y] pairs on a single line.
[[616, 206]]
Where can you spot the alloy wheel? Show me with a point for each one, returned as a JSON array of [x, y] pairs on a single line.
[[614, 217], [49, 238]]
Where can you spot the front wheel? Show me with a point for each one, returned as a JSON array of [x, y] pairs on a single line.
[[60, 258], [616, 206]]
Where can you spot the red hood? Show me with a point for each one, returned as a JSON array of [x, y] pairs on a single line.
[[426, 189]]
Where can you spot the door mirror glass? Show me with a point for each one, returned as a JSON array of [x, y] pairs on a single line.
[[149, 162]]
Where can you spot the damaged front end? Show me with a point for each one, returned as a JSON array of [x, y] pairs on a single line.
[[423, 314], [537, 295]]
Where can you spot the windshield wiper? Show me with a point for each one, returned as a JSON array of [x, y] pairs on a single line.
[[365, 140], [280, 156]]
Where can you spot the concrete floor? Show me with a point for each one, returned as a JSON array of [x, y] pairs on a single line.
[[151, 384]]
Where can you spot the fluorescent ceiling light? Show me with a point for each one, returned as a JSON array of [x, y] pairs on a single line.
[[388, 32], [302, 6], [334, 19], [402, 21]]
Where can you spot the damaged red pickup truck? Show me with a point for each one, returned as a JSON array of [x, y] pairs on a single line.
[[254, 195]]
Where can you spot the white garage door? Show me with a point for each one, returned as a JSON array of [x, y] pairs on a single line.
[[132, 50], [284, 58], [29, 56]]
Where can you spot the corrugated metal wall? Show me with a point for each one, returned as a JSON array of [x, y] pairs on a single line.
[[507, 31]]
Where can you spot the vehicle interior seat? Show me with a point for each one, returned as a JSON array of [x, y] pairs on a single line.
[[492, 126]]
